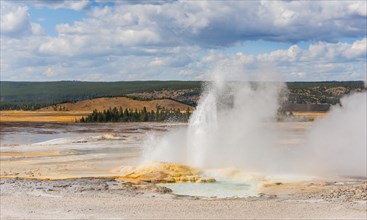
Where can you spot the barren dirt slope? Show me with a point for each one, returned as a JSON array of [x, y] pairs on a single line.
[[105, 103]]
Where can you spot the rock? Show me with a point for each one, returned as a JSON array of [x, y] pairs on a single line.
[[261, 194], [272, 196], [162, 189], [210, 180]]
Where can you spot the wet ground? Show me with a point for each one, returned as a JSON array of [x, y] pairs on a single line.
[[55, 150], [87, 155]]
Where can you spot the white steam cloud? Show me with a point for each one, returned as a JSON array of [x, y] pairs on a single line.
[[234, 125], [337, 144]]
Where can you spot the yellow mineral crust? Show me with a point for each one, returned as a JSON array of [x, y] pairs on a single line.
[[161, 172]]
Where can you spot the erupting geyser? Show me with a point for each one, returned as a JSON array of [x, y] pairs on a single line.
[[234, 125], [230, 127]]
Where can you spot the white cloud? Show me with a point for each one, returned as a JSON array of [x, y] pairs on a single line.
[[156, 62], [347, 62], [51, 71], [132, 37], [37, 30], [65, 45], [14, 20], [184, 39], [213, 24], [76, 5], [320, 61], [358, 8]]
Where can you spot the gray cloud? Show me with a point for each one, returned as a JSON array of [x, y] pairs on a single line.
[[214, 24], [76, 5], [173, 39]]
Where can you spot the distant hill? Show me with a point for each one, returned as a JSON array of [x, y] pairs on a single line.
[[105, 103], [36, 95]]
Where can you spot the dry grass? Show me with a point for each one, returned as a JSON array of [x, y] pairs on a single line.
[[104, 103], [41, 116], [74, 111], [310, 115]]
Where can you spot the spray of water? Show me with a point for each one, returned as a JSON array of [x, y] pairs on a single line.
[[230, 127], [337, 143], [233, 126]]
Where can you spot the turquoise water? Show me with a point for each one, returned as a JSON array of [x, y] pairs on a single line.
[[219, 189]]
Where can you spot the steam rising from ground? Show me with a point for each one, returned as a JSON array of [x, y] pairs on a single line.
[[230, 126], [337, 144], [234, 126]]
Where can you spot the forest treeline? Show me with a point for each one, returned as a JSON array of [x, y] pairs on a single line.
[[128, 115], [36, 95]]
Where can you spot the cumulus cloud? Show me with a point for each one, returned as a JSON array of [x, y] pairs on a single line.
[[63, 45], [223, 23], [14, 20], [76, 5], [218, 24], [320, 61], [50, 72], [182, 39]]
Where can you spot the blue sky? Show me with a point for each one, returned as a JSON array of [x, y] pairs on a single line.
[[44, 40], [49, 18]]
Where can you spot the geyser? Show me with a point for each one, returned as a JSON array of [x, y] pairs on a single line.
[[231, 127], [234, 126]]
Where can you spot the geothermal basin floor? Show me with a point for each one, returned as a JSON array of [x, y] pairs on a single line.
[[90, 198], [33, 152]]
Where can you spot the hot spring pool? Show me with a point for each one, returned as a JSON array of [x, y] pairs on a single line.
[[219, 189]]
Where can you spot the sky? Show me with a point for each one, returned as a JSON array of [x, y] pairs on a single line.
[[102, 40]]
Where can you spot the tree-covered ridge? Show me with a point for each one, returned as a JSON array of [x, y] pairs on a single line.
[[321, 92], [128, 115], [36, 95]]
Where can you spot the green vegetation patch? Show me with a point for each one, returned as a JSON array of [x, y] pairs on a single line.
[[127, 115], [34, 95]]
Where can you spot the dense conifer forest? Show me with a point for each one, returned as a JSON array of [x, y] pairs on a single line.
[[36, 95], [128, 115]]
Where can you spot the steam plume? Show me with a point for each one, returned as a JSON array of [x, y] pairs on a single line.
[[336, 144], [234, 126]]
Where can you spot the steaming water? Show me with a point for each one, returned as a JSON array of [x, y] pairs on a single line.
[[231, 127], [337, 144], [234, 126], [220, 189], [203, 123]]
